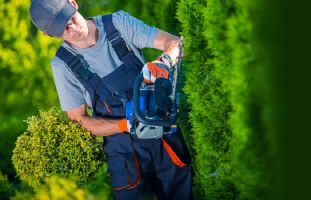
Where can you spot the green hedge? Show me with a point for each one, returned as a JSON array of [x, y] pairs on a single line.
[[227, 92], [209, 108]]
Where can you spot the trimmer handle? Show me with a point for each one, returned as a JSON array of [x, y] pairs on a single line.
[[141, 117]]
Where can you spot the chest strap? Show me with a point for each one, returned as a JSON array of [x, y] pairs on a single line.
[[118, 43], [77, 65], [115, 38]]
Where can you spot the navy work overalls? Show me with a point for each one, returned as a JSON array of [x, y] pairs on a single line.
[[137, 168]]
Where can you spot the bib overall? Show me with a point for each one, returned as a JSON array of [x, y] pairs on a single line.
[[137, 168]]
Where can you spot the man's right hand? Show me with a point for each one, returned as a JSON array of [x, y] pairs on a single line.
[[124, 125]]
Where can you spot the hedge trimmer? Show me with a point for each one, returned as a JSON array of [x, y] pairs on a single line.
[[153, 110]]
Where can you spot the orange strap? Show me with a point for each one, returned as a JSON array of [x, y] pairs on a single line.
[[175, 159], [123, 125]]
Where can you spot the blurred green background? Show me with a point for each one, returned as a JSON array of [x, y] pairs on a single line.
[[243, 86]]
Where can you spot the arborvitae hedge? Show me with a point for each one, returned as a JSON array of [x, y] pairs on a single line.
[[226, 91], [209, 108], [54, 145], [247, 84]]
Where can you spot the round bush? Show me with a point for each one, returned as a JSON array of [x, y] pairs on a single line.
[[52, 144]]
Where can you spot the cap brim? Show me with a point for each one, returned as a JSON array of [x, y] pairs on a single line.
[[59, 24]]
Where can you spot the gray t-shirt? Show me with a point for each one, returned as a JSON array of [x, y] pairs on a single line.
[[101, 57]]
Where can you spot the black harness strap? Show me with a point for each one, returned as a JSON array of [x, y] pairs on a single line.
[[113, 35], [76, 63], [79, 68], [118, 43]]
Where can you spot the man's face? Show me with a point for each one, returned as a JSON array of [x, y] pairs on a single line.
[[76, 29]]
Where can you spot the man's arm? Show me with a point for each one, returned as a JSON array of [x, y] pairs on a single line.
[[169, 44], [97, 126]]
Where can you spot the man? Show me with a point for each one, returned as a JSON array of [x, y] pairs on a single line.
[[95, 67]]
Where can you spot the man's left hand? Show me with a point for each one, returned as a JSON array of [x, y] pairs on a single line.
[[153, 70]]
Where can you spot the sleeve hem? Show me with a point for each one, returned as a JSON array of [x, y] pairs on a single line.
[[71, 107], [153, 37]]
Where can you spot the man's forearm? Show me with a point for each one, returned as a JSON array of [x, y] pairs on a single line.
[[97, 126], [100, 126], [169, 44], [165, 41]]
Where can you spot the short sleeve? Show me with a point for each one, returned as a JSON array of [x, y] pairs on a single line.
[[134, 30], [69, 91]]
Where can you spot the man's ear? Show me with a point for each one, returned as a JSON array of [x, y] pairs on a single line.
[[74, 3]]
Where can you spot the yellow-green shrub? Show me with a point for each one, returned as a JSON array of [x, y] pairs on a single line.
[[54, 145], [56, 188]]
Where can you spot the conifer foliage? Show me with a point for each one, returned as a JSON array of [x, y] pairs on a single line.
[[227, 95]]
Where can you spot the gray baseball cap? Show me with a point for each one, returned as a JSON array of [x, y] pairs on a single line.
[[51, 16]]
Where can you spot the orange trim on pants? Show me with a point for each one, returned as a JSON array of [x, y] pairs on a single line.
[[175, 159], [107, 107]]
